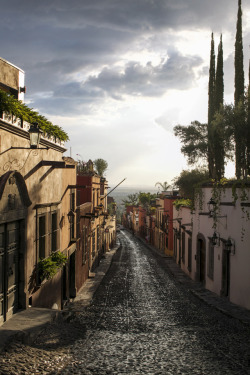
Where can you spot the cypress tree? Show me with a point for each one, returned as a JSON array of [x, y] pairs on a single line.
[[211, 109], [239, 98], [218, 127], [248, 123], [211, 84], [219, 79], [238, 60]]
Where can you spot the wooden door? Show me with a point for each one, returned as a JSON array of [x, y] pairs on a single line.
[[225, 273], [9, 267], [202, 260]]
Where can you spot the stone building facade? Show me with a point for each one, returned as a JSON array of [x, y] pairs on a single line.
[[37, 216]]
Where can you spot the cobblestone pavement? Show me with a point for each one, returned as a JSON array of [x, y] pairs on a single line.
[[140, 322]]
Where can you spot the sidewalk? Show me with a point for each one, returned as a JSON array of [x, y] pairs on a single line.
[[210, 298], [27, 324]]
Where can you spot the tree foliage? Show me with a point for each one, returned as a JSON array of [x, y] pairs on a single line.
[[188, 180], [239, 98], [228, 127], [164, 186], [145, 199], [238, 60], [219, 79], [248, 123], [131, 200], [141, 198], [216, 152], [211, 109], [101, 166], [194, 139], [211, 83]]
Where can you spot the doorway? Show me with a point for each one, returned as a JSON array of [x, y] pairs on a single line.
[[9, 269], [225, 282], [201, 260]]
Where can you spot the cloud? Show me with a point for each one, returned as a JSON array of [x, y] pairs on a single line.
[[174, 73], [100, 61], [134, 80]]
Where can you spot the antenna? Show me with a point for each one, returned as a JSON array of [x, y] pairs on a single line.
[[114, 188]]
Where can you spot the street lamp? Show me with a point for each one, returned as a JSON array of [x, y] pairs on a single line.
[[35, 135]]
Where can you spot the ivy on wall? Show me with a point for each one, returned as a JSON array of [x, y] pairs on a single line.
[[11, 105], [182, 203]]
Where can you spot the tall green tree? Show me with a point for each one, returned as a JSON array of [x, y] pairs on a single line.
[[219, 79], [211, 109], [238, 60], [248, 123], [211, 83], [217, 131], [239, 98]]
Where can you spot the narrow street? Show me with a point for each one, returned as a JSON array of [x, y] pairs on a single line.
[[140, 322]]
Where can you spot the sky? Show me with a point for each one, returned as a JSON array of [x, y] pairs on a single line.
[[118, 75]]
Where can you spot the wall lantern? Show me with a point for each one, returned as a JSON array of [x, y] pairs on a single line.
[[35, 135], [211, 206], [215, 239], [177, 233], [230, 245]]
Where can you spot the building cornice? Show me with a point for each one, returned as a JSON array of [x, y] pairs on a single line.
[[4, 125]]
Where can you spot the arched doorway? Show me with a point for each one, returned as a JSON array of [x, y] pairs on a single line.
[[14, 201], [201, 258]]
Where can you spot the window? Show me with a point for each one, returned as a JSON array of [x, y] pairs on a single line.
[[93, 243], [72, 200], [189, 253], [84, 244], [42, 237], [72, 218], [54, 232], [211, 261], [48, 232], [98, 239], [93, 198]]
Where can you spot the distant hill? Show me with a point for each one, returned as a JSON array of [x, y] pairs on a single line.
[[122, 192]]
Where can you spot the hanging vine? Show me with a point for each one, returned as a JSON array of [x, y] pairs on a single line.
[[15, 107]]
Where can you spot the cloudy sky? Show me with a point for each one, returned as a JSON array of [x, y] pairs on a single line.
[[118, 75]]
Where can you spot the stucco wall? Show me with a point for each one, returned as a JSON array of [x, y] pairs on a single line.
[[45, 185], [231, 222], [9, 74]]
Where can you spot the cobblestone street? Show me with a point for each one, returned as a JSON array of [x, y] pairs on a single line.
[[140, 322]]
